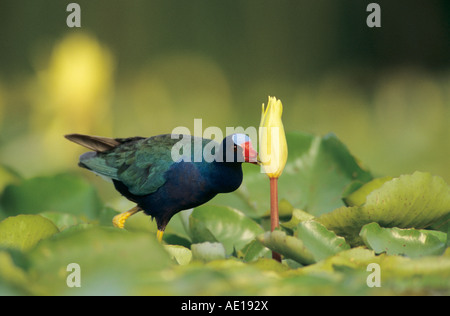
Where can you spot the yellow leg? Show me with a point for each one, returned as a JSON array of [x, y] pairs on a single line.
[[159, 235], [119, 220]]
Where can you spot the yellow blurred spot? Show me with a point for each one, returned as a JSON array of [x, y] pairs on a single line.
[[75, 93], [78, 83]]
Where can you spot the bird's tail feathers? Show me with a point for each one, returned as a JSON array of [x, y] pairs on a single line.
[[95, 143]]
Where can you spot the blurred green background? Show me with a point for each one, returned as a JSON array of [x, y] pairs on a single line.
[[146, 67]]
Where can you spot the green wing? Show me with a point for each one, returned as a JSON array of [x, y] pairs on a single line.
[[140, 164]]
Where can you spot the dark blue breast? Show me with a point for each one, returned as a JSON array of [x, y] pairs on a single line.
[[187, 185]]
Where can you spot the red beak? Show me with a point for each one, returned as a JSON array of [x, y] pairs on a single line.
[[250, 155]]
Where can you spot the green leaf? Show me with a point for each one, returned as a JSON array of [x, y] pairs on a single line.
[[62, 220], [416, 200], [321, 242], [410, 242], [208, 251], [64, 193], [285, 210], [180, 254], [357, 257], [254, 250], [266, 264], [112, 261], [10, 273], [222, 224], [438, 266], [316, 173], [288, 246], [399, 275], [358, 197], [25, 231], [298, 216], [346, 222], [312, 243]]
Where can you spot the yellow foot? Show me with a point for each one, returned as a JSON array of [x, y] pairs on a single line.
[[119, 220], [159, 235]]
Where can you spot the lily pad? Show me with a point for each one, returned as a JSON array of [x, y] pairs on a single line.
[[253, 251], [409, 242], [208, 251], [23, 232], [112, 261], [63, 193], [298, 216], [285, 210], [61, 220], [288, 246], [222, 224], [10, 274], [358, 197], [312, 243], [320, 241], [180, 254], [416, 200]]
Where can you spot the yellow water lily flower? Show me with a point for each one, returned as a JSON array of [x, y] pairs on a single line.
[[273, 150]]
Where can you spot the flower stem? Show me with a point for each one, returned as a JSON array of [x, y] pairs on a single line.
[[274, 217]]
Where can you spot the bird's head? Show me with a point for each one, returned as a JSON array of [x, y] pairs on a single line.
[[238, 148]]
